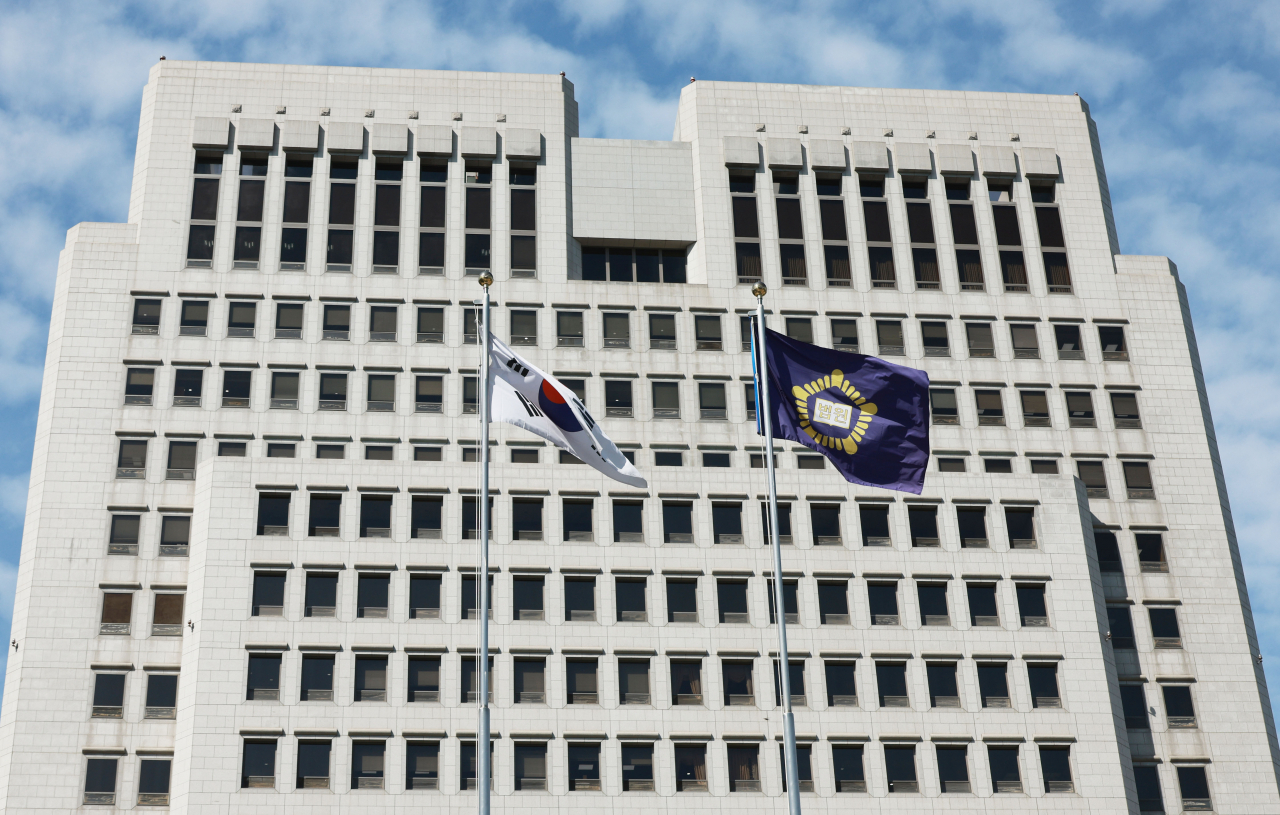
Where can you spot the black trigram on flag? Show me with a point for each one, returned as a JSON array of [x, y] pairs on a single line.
[[529, 406]]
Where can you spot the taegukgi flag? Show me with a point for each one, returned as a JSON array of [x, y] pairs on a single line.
[[868, 416], [524, 396]]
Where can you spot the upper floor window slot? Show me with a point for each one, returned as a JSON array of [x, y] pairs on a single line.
[[146, 316]]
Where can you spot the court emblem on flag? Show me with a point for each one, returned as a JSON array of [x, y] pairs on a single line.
[[833, 412]]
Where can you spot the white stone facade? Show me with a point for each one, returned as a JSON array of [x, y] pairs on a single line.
[[61, 722]]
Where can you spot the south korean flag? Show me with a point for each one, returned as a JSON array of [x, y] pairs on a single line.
[[524, 396]]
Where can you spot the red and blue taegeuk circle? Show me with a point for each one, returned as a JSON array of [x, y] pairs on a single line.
[[557, 409]]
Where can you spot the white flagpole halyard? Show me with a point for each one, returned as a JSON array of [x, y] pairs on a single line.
[[779, 602], [483, 769]]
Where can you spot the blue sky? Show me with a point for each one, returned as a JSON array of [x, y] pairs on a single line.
[[1186, 96]]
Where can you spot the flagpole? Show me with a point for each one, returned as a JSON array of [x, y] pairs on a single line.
[[483, 769], [779, 601]]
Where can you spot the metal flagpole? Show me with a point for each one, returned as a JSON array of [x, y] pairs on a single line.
[[779, 603], [483, 770]]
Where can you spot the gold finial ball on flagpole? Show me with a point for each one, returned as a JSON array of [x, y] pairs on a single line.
[[759, 290], [486, 280]]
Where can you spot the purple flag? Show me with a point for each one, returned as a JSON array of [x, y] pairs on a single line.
[[868, 416]]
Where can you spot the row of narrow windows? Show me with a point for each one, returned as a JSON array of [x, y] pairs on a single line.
[[634, 767], [878, 232], [385, 252], [616, 329]]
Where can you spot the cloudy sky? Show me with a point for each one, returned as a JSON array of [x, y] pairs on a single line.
[[1185, 96]]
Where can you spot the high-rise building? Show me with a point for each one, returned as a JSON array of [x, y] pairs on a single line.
[[248, 575]]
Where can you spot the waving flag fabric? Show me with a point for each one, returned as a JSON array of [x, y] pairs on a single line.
[[522, 395], [868, 416]]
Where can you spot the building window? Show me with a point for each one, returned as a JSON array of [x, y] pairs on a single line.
[[847, 767], [248, 238], [388, 173], [833, 603], [630, 600], [194, 319], [951, 465], [424, 597], [844, 335], [581, 682], [382, 323], [1040, 466], [900, 769], [790, 227], [1178, 708], [936, 342], [1133, 702], [746, 226], [288, 321], [268, 594], [835, 234], [146, 316], [371, 679], [943, 689], [942, 406], [167, 616], [284, 391], [236, 388], [1151, 552], [188, 386], [628, 521], [1055, 763], [964, 231], [479, 176], [731, 601], [993, 684], [204, 210], [924, 254], [983, 607], [666, 400], [325, 515], [381, 394], [313, 765], [584, 766], [932, 598], [117, 612], [981, 342], [333, 392], [990, 407], [882, 601], [368, 760], [132, 459], [1094, 477], [342, 213], [662, 332], [711, 401], [428, 394], [682, 601], [241, 319], [264, 678], [580, 599], [691, 767], [321, 595], [889, 338], [1020, 523], [1137, 481], [430, 325], [1124, 411], [1005, 773], [633, 265], [123, 538], [333, 452], [875, 214], [297, 210], [424, 679], [337, 323], [431, 218], [1164, 627], [139, 384], [108, 696], [744, 767], [569, 329], [1146, 778], [874, 520], [1043, 680], [953, 769], [1193, 785], [1035, 408], [175, 535], [273, 513], [372, 593], [317, 678], [578, 521], [790, 602], [523, 179], [1033, 611], [686, 682], [100, 781], [1114, 349]]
